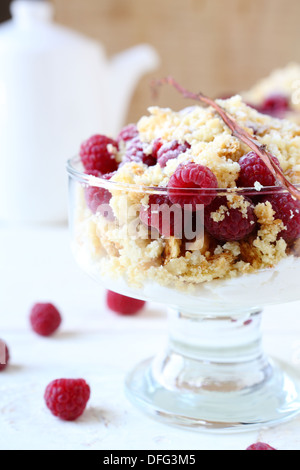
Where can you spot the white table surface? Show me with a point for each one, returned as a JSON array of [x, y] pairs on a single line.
[[93, 343]]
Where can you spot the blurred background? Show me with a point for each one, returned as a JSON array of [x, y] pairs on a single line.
[[216, 46]]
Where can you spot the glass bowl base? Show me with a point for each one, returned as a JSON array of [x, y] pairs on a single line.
[[274, 401]]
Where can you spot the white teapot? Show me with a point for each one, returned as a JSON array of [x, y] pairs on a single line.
[[57, 88]]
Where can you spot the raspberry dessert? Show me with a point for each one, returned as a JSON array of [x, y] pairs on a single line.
[[278, 95], [189, 169], [206, 220], [67, 398]]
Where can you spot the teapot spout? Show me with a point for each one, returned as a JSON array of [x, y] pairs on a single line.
[[126, 69]]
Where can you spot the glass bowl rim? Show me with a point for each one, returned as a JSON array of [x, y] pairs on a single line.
[[96, 181]]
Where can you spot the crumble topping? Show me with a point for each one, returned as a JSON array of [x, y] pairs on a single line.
[[169, 261]]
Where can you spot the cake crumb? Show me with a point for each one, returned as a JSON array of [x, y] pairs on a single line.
[[172, 249]]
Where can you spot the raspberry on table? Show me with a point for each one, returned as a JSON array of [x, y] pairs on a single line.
[[45, 318], [122, 304], [135, 152], [260, 446], [161, 214], [192, 176], [98, 199], [128, 133], [232, 224], [254, 170], [67, 398], [287, 210], [97, 153], [4, 355], [171, 150]]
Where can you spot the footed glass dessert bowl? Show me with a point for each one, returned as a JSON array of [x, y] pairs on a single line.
[[180, 211]]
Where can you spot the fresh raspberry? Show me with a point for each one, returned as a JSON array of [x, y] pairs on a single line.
[[45, 319], [96, 155], [67, 398], [275, 105], [4, 355], [254, 170], [161, 214], [192, 176], [123, 305], [233, 225], [136, 152], [157, 144], [287, 210], [260, 446], [98, 199], [171, 150], [128, 133]]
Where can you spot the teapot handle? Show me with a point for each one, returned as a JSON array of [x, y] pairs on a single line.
[[126, 69]]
